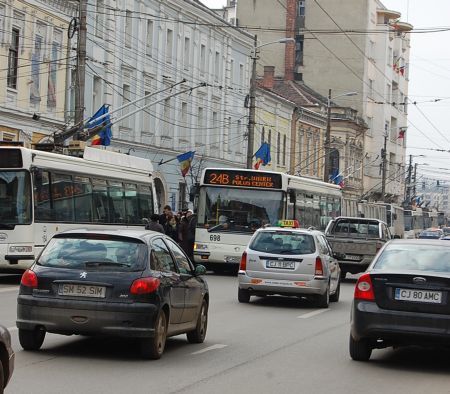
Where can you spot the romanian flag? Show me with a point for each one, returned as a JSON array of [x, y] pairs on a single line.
[[262, 155], [185, 160], [104, 136]]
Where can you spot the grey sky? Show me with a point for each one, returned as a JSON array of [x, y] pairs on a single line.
[[429, 80]]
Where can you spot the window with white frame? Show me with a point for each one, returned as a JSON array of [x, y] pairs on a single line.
[[149, 38], [200, 131], [187, 51], [128, 28], [370, 93], [278, 147], [99, 18], [217, 66], [96, 94], [166, 118], [202, 59], [284, 149], [146, 117], [370, 125], [241, 75], [2, 24], [126, 98], [184, 127], [169, 45], [231, 72], [237, 141], [215, 131], [13, 59]]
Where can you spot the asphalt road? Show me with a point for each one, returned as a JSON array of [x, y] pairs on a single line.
[[272, 345]]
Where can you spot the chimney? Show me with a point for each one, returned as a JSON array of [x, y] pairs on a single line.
[[269, 72], [289, 48]]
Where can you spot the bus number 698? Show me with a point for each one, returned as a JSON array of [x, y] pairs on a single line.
[[214, 238]]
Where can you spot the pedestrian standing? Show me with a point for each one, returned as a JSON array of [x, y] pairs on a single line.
[[190, 233], [171, 227], [154, 225], [163, 218]]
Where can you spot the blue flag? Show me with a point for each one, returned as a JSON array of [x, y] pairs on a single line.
[[104, 137], [185, 160], [262, 155]]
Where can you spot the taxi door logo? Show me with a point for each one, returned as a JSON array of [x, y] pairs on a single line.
[[83, 275]]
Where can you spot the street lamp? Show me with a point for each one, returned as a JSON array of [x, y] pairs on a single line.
[[252, 93], [328, 132]]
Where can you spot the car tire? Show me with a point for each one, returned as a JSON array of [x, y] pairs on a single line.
[[2, 378], [335, 297], [243, 296], [31, 339], [198, 335], [360, 350], [153, 348], [323, 300]]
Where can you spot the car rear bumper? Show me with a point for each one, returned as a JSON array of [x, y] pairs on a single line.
[[280, 286], [370, 321], [86, 317]]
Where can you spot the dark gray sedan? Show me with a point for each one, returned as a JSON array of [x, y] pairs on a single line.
[[6, 358], [403, 298], [127, 283]]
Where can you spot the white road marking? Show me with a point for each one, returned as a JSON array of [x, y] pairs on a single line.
[[311, 314], [6, 289], [212, 347]]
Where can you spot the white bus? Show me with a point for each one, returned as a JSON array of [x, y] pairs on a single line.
[[233, 203], [42, 193]]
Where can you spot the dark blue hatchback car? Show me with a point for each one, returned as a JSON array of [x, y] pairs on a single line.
[[127, 283]]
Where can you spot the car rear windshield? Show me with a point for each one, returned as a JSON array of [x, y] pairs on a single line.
[[418, 257], [431, 234], [357, 228], [94, 254], [283, 242]]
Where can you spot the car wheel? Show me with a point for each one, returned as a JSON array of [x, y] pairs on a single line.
[[2, 378], [198, 335], [31, 339], [323, 300], [153, 348], [360, 350], [335, 297], [243, 296]]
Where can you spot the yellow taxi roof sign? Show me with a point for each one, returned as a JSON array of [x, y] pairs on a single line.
[[289, 223]]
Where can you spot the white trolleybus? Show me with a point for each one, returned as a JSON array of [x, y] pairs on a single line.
[[233, 203], [42, 193]]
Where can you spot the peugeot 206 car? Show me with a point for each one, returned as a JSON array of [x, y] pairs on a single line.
[[127, 283], [6, 358], [403, 298], [291, 261]]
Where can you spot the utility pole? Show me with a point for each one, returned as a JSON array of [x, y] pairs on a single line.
[[81, 65], [252, 111], [408, 182], [415, 180], [383, 171], [326, 171]]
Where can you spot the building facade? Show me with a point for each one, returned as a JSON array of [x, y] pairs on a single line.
[[158, 50], [34, 55], [373, 65]]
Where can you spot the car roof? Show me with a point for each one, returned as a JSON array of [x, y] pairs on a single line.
[[290, 229], [358, 218], [129, 233], [431, 242]]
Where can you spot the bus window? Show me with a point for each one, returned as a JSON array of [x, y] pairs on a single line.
[[145, 202], [43, 210], [116, 201], [61, 194], [131, 204], [15, 197], [100, 201], [82, 198]]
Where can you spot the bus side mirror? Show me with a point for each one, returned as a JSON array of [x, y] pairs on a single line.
[[193, 192]]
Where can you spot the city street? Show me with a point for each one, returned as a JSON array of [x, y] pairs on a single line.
[[272, 345]]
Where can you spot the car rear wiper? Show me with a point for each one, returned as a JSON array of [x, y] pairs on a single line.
[[105, 263]]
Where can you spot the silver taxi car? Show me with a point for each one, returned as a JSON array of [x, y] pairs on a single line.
[[287, 260]]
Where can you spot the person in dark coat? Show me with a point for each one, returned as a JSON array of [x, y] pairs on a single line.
[[167, 212], [154, 225], [172, 227], [190, 233]]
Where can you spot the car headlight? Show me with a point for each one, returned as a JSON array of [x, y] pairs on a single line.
[[198, 246], [21, 249]]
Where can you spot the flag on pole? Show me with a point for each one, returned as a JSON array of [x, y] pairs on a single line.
[[262, 155], [185, 160], [337, 178], [104, 136], [402, 70]]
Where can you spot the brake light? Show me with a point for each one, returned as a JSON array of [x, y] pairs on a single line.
[[364, 288], [243, 264], [144, 285], [319, 267], [29, 279]]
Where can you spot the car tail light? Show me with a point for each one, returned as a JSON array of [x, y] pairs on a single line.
[[29, 279], [319, 267], [144, 285], [364, 288], [243, 264]]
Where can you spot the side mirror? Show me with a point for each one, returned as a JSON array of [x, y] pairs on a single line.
[[200, 270]]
